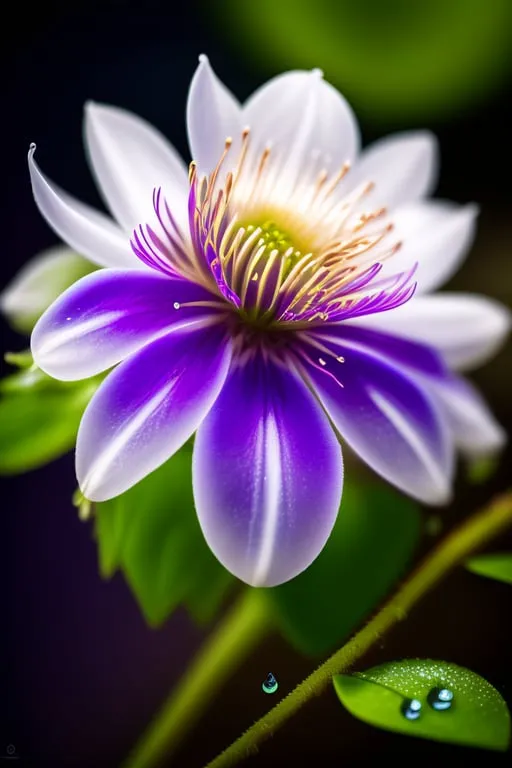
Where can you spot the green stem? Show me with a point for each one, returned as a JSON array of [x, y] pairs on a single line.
[[471, 535], [241, 630]]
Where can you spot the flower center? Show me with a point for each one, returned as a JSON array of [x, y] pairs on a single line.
[[284, 252], [272, 236], [273, 241]]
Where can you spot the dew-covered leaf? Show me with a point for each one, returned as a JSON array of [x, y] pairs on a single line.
[[497, 566], [39, 418], [431, 699], [373, 540], [152, 535]]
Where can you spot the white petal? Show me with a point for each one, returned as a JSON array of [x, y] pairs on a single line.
[[403, 167], [298, 113], [130, 159], [434, 234], [476, 431], [39, 283], [466, 328], [213, 115], [89, 232]]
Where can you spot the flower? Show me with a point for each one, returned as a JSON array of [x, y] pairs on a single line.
[[270, 308]]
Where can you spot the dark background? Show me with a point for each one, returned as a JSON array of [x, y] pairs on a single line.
[[81, 674]]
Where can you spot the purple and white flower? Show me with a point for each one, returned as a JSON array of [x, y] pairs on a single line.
[[276, 303]]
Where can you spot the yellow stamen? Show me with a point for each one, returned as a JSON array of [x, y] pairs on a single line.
[[300, 250]]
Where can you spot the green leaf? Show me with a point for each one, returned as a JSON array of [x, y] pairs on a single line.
[[39, 418], [152, 535], [27, 378], [498, 566], [372, 542], [476, 717], [19, 359]]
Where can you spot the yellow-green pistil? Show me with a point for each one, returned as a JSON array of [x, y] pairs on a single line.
[[269, 245], [276, 238]]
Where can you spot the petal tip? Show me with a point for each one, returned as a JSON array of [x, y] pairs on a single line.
[[424, 136], [35, 351], [94, 110], [496, 442], [91, 493], [425, 141], [8, 301], [90, 107], [440, 497], [204, 72], [502, 321]]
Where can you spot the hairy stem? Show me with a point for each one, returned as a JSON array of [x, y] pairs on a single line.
[[469, 536], [240, 631]]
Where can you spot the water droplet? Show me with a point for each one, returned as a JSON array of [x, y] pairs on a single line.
[[176, 305], [411, 709], [270, 684], [321, 361], [440, 699]]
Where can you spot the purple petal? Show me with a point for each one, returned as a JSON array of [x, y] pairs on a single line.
[[466, 328], [107, 316], [267, 472], [364, 296], [148, 407], [162, 245], [474, 428], [399, 351], [385, 417]]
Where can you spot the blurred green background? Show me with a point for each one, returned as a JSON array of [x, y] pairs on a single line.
[[397, 61]]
